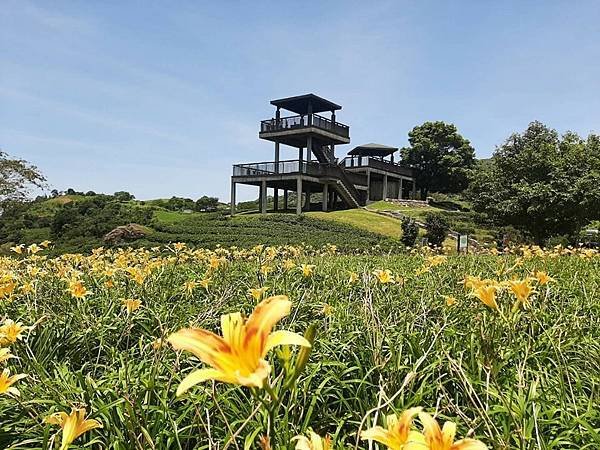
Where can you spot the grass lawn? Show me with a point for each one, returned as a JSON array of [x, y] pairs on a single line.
[[366, 220]]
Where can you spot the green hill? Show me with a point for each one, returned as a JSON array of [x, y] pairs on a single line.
[[78, 223]]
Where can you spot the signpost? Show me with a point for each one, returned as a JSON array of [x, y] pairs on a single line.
[[462, 243]]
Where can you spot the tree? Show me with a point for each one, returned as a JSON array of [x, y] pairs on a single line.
[[205, 203], [442, 158], [17, 177], [541, 183], [123, 196]]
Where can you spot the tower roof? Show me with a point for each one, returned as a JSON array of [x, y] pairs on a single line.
[[373, 150], [299, 104]]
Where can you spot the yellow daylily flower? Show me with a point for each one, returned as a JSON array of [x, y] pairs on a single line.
[[521, 289], [543, 278], [437, 438], [487, 294], [384, 276], [77, 289], [238, 356], [73, 425], [288, 264], [315, 442], [258, 293], [353, 278], [307, 270], [5, 354], [397, 435], [10, 332], [46, 243], [205, 283], [131, 304], [189, 286], [33, 249], [450, 300], [18, 249], [6, 382]]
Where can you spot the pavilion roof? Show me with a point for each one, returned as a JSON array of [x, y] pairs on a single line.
[[299, 104], [372, 150]]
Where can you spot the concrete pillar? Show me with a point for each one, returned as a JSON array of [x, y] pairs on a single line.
[[414, 190], [368, 185], [276, 157], [299, 195], [307, 199], [400, 189], [325, 197], [263, 197], [285, 199], [385, 187], [308, 148], [233, 187], [276, 199]]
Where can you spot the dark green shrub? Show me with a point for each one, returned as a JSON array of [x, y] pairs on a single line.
[[410, 231], [437, 227]]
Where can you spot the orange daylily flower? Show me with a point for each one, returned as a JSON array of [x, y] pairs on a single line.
[[6, 382], [397, 435], [238, 356], [437, 438]]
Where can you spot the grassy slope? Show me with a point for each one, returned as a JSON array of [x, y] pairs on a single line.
[[459, 220], [360, 218]]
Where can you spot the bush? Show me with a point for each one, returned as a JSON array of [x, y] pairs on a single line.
[[410, 231], [437, 227]]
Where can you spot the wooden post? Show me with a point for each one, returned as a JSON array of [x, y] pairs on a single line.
[[299, 195], [263, 197], [233, 187], [325, 197]]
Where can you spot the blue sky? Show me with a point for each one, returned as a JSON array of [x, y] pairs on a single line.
[[161, 98]]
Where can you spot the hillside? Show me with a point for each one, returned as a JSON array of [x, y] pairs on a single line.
[[78, 223]]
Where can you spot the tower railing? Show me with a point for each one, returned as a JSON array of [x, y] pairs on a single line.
[[304, 121]]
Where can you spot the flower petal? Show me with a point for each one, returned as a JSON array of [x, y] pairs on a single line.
[[283, 337], [469, 444], [208, 347], [199, 376], [268, 312]]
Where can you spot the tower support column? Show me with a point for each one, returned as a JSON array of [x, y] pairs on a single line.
[[385, 187], [285, 199], [325, 197], [299, 195], [263, 197], [233, 188], [276, 199], [400, 193]]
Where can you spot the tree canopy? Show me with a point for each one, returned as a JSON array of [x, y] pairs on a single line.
[[540, 182], [442, 157], [17, 177]]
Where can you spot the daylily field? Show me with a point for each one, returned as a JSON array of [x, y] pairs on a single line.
[[288, 347]]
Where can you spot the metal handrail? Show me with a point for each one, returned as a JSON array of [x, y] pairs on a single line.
[[304, 121]]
